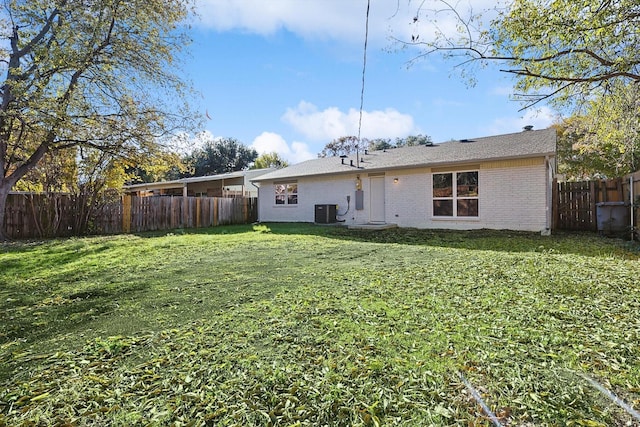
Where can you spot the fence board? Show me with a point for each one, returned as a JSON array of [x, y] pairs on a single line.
[[575, 203], [631, 186], [38, 216], [573, 209]]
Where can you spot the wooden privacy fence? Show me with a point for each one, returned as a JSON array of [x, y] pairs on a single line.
[[575, 204], [165, 213], [39, 215]]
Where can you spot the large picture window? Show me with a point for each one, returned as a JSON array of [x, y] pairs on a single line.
[[455, 194], [286, 193]]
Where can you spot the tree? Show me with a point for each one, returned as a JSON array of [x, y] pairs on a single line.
[[565, 51], [604, 141], [350, 144], [341, 146], [412, 140], [95, 74], [221, 156], [56, 173], [160, 165], [270, 160], [380, 144]]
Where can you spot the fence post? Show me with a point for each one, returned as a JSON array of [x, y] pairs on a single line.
[[197, 212], [126, 213], [594, 202], [215, 211], [185, 207]]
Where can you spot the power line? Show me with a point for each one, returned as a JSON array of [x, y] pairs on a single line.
[[364, 69]]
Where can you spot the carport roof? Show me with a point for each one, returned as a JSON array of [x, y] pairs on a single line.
[[180, 183]]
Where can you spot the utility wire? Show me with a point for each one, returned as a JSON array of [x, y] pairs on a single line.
[[364, 69], [496, 422], [615, 399]]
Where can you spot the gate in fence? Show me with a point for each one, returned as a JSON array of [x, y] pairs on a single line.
[[576, 204]]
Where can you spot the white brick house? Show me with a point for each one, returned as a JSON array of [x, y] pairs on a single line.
[[497, 182]]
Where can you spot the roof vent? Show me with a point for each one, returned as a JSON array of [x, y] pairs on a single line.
[[527, 128], [466, 140]]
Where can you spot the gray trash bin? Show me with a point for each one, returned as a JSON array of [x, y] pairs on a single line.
[[613, 217]]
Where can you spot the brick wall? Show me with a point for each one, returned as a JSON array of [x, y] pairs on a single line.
[[512, 195]]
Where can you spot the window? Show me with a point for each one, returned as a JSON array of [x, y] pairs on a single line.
[[287, 193], [455, 194]]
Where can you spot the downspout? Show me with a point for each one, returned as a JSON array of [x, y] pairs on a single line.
[[549, 194], [257, 200]]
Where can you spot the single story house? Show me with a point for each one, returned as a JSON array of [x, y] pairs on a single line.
[[496, 182], [233, 184]]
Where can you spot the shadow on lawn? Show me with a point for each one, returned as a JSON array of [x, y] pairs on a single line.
[[49, 317], [32, 254], [584, 244]]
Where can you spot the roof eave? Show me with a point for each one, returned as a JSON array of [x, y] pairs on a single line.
[[354, 169]]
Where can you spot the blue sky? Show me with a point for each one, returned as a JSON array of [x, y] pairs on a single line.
[[286, 76]]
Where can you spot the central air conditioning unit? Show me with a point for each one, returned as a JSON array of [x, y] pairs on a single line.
[[325, 214]]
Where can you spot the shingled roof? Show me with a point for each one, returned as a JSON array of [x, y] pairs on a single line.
[[529, 143]]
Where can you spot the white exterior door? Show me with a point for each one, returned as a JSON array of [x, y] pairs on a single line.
[[376, 197]]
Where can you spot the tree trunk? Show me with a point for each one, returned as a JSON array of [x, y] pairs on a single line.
[[5, 187]]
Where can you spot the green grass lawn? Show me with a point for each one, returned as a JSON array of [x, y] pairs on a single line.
[[301, 325]]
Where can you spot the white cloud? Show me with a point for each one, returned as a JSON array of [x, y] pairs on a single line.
[[268, 142], [331, 123], [334, 19], [326, 19], [186, 143], [540, 118]]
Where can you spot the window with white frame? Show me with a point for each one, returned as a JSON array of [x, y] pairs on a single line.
[[455, 194], [286, 193]]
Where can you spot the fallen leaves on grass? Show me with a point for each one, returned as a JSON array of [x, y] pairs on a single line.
[[337, 329]]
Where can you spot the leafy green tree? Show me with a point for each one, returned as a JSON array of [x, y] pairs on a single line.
[[565, 51], [341, 146], [407, 141], [349, 144], [96, 74], [604, 141], [270, 160], [160, 165], [56, 173], [380, 144], [412, 140], [221, 156]]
